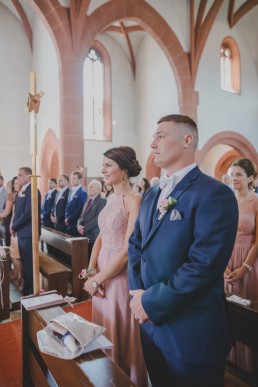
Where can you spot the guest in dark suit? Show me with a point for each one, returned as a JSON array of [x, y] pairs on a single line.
[[3, 198], [48, 203], [22, 226], [76, 199], [180, 247], [87, 224], [58, 209]]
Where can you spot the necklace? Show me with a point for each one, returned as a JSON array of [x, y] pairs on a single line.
[[125, 192]]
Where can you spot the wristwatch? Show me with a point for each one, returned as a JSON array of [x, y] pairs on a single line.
[[95, 284]]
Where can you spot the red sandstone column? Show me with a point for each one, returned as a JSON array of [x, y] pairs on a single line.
[[71, 114]]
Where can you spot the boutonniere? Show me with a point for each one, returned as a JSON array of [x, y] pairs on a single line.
[[165, 205]]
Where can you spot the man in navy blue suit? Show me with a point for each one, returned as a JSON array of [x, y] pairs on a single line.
[[182, 242], [48, 203], [58, 209], [76, 199], [23, 228]]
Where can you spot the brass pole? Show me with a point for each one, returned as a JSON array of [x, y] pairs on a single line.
[[34, 190]]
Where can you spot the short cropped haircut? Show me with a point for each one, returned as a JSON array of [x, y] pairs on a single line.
[[27, 170], [78, 174], [187, 123]]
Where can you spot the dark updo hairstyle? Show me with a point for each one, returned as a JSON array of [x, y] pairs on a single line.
[[13, 180], [249, 167], [146, 183], [125, 157]]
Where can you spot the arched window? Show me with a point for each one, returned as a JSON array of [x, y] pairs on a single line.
[[230, 66], [97, 94]]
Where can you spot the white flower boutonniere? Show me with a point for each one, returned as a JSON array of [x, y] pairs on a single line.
[[165, 205]]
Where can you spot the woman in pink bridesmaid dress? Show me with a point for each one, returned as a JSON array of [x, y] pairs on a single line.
[[109, 287], [241, 275]]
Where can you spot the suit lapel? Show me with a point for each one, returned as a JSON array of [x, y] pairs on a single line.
[[151, 211], [180, 188]]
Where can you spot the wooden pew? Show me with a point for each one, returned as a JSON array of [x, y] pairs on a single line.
[[77, 248], [55, 273], [5, 294], [244, 324], [39, 369]]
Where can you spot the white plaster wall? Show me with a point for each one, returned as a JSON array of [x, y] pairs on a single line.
[[123, 108], [15, 64], [94, 4], [218, 110], [45, 64], [155, 94], [176, 14]]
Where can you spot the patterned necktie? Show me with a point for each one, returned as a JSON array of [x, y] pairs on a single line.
[[87, 206]]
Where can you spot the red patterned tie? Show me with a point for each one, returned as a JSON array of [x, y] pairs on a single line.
[[87, 206]]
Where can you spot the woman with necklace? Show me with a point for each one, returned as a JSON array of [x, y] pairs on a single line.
[[109, 286], [241, 275]]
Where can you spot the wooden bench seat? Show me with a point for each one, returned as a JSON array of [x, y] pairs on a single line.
[[39, 369], [77, 248], [54, 272], [4, 274]]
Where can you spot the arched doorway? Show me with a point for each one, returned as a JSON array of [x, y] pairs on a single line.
[[221, 150]]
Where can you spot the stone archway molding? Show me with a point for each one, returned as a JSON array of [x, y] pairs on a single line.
[[159, 29], [233, 139], [225, 162]]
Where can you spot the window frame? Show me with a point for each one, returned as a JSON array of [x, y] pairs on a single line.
[[107, 112], [233, 86]]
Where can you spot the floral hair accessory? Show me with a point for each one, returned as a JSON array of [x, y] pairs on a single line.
[[165, 205], [87, 273]]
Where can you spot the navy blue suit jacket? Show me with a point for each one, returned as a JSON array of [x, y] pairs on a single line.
[[22, 214], [58, 210], [180, 265], [73, 210], [47, 208]]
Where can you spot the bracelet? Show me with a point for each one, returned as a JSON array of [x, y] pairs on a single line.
[[249, 268]]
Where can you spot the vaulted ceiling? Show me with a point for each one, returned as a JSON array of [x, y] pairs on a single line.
[[128, 33]]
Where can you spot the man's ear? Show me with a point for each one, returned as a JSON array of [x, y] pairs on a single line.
[[188, 139]]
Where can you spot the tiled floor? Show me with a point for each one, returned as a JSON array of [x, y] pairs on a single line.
[[230, 379]]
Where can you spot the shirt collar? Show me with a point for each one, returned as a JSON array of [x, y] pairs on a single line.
[[179, 175], [24, 187], [74, 189]]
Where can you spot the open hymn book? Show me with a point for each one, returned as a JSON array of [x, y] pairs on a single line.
[[42, 301]]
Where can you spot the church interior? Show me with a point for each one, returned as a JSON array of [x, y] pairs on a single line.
[[109, 69]]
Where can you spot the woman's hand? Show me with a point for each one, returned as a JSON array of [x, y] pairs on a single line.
[[235, 275], [88, 287], [226, 273]]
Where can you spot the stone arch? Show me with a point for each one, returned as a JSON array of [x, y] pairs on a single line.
[[49, 160], [241, 148], [225, 161], [159, 29]]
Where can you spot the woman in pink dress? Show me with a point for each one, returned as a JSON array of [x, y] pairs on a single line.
[[241, 275], [109, 286]]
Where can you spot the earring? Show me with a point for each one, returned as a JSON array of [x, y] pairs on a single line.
[[125, 179]]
